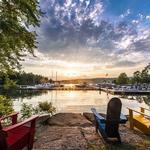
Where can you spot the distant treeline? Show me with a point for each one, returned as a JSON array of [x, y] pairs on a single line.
[[138, 77], [22, 78]]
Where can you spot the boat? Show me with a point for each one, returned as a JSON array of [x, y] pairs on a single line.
[[45, 86]]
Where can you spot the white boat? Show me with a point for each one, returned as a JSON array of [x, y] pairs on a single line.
[[44, 86], [27, 87]]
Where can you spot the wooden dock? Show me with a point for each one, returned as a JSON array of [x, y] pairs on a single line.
[[119, 92], [62, 88]]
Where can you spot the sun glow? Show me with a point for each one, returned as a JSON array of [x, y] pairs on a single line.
[[72, 73]]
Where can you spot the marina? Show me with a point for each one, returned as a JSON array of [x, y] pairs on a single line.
[[121, 90], [49, 86]]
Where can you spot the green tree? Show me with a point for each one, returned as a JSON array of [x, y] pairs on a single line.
[[122, 79], [16, 40], [136, 77], [21, 78], [145, 74]]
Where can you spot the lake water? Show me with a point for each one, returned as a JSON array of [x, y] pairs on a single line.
[[77, 101]]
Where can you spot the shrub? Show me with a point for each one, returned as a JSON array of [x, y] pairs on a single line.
[[6, 106], [47, 107], [28, 110]]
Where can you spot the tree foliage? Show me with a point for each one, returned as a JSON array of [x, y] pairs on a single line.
[[16, 40], [122, 79], [136, 77], [143, 76], [21, 78]]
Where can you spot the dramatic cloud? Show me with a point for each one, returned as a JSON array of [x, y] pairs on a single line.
[[68, 23], [82, 31]]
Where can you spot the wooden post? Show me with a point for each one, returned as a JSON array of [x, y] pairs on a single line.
[[32, 131], [142, 110], [1, 125], [131, 119], [3, 142], [14, 119]]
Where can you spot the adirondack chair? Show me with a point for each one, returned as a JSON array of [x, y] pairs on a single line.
[[108, 126], [141, 121], [17, 135]]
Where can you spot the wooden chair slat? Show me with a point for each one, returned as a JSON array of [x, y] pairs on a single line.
[[141, 121], [139, 112], [146, 109]]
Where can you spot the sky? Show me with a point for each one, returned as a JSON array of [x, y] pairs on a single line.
[[91, 38]]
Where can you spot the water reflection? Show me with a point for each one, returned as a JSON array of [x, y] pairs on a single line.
[[139, 98], [146, 99], [21, 93], [75, 101]]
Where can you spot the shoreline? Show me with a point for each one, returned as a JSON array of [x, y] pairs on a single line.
[[109, 91]]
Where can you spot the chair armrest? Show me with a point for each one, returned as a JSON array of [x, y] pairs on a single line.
[[9, 116], [146, 109], [98, 116], [31, 119], [13, 117], [139, 112]]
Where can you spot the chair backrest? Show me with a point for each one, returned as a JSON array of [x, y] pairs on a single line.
[[19, 134], [113, 117]]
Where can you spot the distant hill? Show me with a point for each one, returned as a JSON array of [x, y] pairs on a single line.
[[92, 80]]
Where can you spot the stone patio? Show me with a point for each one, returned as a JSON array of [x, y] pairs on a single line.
[[68, 131]]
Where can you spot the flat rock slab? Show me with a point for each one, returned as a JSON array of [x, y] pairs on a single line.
[[69, 131], [69, 119], [67, 138]]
